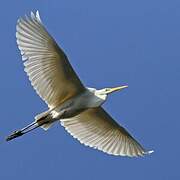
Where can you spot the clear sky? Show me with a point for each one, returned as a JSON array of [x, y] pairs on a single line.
[[109, 43]]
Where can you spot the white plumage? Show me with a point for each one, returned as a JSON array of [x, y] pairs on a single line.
[[78, 108], [47, 66]]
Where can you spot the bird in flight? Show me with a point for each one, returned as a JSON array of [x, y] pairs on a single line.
[[76, 107]]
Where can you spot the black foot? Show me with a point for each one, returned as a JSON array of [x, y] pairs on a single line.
[[15, 134]]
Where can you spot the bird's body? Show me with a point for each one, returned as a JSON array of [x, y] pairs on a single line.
[[77, 107], [77, 104], [89, 98]]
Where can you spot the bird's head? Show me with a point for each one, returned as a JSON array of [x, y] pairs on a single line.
[[102, 93]]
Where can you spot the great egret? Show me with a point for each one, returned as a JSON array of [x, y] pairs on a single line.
[[78, 108]]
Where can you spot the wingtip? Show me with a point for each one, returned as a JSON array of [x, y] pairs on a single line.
[[38, 16], [149, 152], [32, 14]]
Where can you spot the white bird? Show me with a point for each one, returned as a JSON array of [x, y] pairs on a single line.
[[76, 107]]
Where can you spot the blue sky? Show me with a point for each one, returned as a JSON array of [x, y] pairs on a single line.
[[109, 43]]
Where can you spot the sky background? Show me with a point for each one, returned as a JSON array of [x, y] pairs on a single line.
[[109, 43]]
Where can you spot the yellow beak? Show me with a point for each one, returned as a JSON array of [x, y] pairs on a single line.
[[117, 88]]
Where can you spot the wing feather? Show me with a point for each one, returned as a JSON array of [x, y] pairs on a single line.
[[47, 66], [95, 128]]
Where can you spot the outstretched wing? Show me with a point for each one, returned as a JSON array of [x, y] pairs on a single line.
[[47, 66], [95, 128]]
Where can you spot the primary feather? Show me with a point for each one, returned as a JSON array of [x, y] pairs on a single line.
[[95, 128], [47, 66]]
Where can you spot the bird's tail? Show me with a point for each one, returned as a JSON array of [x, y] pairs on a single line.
[[44, 116]]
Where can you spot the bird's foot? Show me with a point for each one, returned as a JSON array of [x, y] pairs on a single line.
[[15, 134]]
